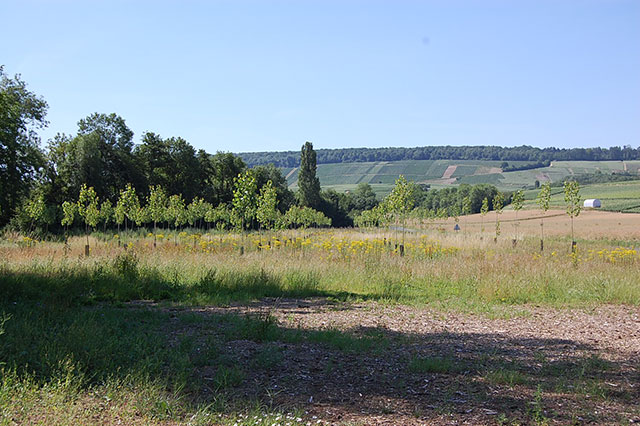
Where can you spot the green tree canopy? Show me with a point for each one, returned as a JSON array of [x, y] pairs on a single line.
[[21, 114], [544, 196], [267, 212], [157, 203], [244, 200], [88, 206], [308, 182]]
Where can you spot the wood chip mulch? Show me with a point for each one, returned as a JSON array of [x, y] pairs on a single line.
[[542, 365]]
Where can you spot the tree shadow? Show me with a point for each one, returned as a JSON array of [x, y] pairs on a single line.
[[475, 377], [123, 280]]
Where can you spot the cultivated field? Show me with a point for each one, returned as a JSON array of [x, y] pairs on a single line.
[[326, 327], [442, 173]]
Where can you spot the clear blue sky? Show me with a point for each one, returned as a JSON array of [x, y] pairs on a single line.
[[269, 75]]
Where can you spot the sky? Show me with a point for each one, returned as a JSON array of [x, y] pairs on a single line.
[[269, 75]]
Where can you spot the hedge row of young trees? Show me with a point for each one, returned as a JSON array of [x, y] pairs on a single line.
[[248, 208]]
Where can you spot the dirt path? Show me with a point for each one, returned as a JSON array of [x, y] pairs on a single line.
[[424, 366], [291, 172]]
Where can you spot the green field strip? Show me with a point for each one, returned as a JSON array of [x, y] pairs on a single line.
[[493, 179], [464, 170], [437, 169], [589, 166]]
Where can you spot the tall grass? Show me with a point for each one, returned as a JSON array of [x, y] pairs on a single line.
[[476, 273]]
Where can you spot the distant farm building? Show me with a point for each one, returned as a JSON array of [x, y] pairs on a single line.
[[593, 203]]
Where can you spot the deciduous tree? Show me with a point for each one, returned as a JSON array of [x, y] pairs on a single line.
[[157, 203], [88, 208], [267, 212], [244, 200], [572, 200], [517, 201], [21, 114], [544, 200], [498, 204]]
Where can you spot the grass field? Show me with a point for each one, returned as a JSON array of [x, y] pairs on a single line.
[[325, 327], [382, 175]]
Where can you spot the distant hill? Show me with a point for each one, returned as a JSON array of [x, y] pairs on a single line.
[[381, 175], [526, 154]]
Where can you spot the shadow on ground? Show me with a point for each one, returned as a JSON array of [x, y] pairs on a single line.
[[372, 375]]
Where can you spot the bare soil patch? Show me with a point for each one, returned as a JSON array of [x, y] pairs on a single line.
[[449, 172]]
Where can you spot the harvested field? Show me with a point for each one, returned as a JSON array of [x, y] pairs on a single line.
[[590, 224]]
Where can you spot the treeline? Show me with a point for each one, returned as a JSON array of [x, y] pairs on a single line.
[[102, 156], [506, 167], [490, 153], [454, 200]]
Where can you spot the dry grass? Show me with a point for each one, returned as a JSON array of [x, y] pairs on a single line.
[[454, 270]]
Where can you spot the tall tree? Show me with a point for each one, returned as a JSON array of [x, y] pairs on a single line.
[[244, 200], [226, 167], [364, 198], [21, 113], [111, 127], [154, 158], [185, 176], [308, 182], [99, 156], [264, 174]]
